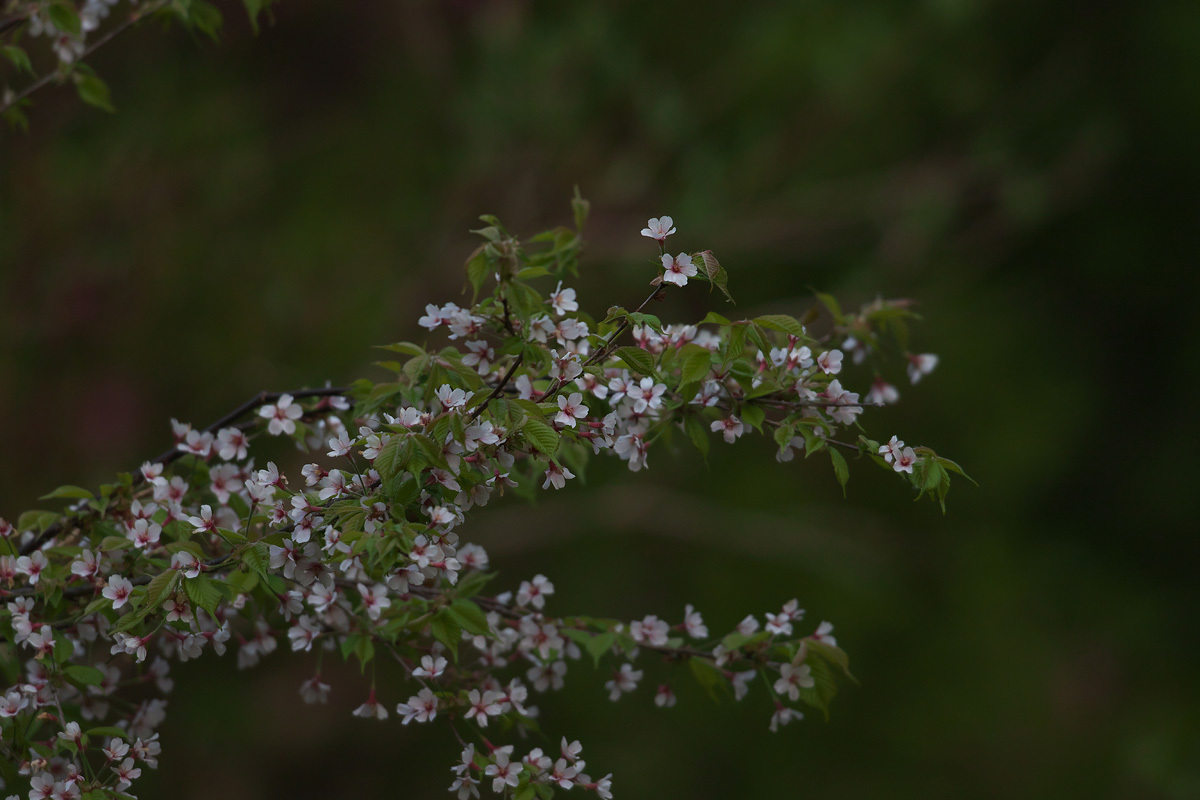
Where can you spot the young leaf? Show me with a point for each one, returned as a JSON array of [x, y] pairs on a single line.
[[65, 18], [636, 359], [18, 57], [68, 492], [840, 469], [541, 436], [447, 630], [781, 322], [695, 363]]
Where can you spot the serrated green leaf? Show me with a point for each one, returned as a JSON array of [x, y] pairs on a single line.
[[472, 583], [18, 57], [753, 416], [203, 593], [37, 520], [83, 675], [108, 730], [834, 655], [160, 587], [447, 630], [830, 302], [636, 359], [840, 469], [715, 318], [695, 362], [478, 269], [253, 9], [69, 493], [433, 453], [469, 616], [715, 272], [708, 676], [541, 436], [781, 322], [580, 208], [600, 645], [205, 17], [393, 456], [697, 433], [65, 18]]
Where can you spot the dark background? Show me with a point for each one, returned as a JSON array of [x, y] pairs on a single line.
[[258, 214]]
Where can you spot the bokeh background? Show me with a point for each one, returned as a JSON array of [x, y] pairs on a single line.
[[259, 213]]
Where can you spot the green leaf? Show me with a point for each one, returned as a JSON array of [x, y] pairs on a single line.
[[697, 433], [393, 457], [781, 322], [93, 91], [85, 676], [18, 57], [714, 317], [161, 586], [447, 630], [205, 17], [478, 269], [65, 18], [541, 436], [580, 208], [253, 9], [830, 302], [708, 676], [600, 644], [68, 492], [473, 583], [37, 520], [839, 468], [753, 416], [406, 348], [203, 593], [695, 363], [824, 688], [108, 730], [834, 655], [636, 359], [364, 648], [715, 272], [469, 616], [526, 792], [433, 453]]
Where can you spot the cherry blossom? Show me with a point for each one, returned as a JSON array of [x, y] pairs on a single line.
[[570, 409], [422, 707], [118, 590], [921, 365], [731, 428], [678, 269], [623, 681], [282, 414], [659, 228]]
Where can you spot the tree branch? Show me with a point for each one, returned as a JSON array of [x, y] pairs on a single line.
[[260, 399]]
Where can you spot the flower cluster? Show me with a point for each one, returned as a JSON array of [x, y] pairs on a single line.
[[356, 550]]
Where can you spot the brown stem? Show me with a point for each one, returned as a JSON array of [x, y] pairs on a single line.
[[260, 399], [498, 390]]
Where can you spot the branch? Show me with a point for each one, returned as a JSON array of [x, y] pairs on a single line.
[[103, 40], [498, 390], [260, 399], [604, 349]]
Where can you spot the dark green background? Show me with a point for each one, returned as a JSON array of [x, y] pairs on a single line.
[[259, 213]]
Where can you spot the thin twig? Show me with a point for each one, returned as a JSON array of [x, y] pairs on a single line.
[[498, 390], [103, 40], [260, 399]]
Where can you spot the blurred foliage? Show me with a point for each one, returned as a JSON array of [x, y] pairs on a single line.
[[257, 214]]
